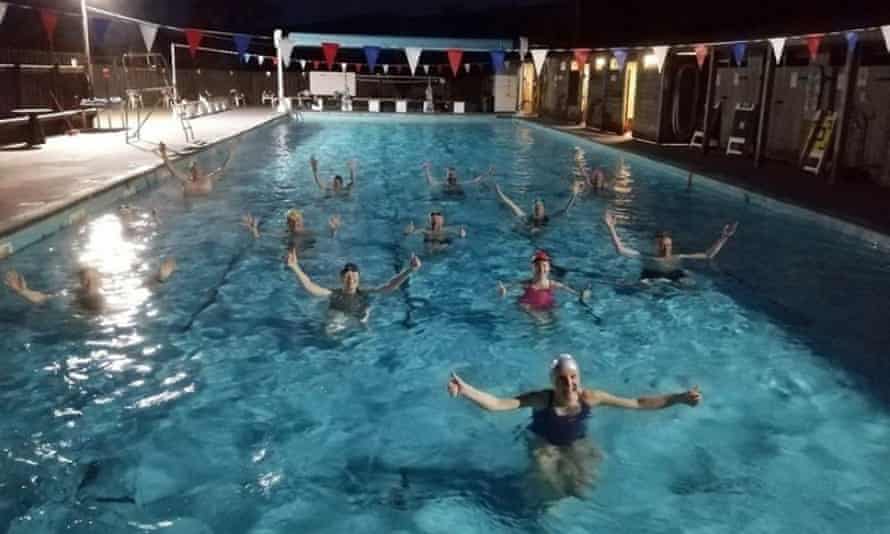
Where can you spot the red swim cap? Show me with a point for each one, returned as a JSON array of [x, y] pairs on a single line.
[[540, 255]]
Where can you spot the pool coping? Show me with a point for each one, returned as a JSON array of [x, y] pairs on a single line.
[[72, 211], [871, 237]]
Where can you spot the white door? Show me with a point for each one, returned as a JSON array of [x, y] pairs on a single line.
[[505, 92]]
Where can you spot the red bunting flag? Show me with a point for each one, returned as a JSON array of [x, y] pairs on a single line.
[[315, 64], [193, 37], [330, 53], [454, 57], [275, 61], [50, 19], [358, 67], [813, 42], [701, 52], [581, 55]]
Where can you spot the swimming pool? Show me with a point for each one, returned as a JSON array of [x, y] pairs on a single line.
[[218, 403]]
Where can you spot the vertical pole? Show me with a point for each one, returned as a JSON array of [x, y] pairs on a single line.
[[843, 121], [606, 74], [709, 99], [282, 107], [659, 114], [173, 68], [86, 46], [766, 98]]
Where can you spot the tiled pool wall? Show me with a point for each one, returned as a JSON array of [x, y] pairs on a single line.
[[121, 189], [870, 237]]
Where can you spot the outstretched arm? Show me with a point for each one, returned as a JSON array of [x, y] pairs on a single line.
[[162, 149], [616, 241], [19, 286], [728, 231], [399, 279], [517, 211], [482, 176], [225, 164], [458, 388], [657, 402], [576, 188], [583, 294], [314, 164], [311, 287], [352, 173], [429, 175]]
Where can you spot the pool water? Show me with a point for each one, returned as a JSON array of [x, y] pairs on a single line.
[[219, 403]]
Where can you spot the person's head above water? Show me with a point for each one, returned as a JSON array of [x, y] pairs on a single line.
[[538, 211], [338, 183], [437, 221], [565, 375], [349, 275], [451, 176], [541, 264], [90, 280], [295, 220], [664, 245]]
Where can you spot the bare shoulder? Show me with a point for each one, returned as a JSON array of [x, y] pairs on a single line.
[[592, 397]]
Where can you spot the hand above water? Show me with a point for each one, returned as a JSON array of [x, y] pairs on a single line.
[[16, 282], [691, 397], [252, 224], [415, 263], [168, 267], [729, 229], [292, 260], [455, 385]]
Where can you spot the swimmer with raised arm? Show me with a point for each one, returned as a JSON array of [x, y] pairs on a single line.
[[350, 299], [437, 235], [299, 236], [538, 294], [337, 187], [538, 218], [194, 182], [451, 185], [565, 459], [664, 264], [88, 294]]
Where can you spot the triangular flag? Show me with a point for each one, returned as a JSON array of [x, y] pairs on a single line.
[[343, 67], [813, 42], [778, 46], [330, 53], [581, 55], [620, 57], [467, 67], [523, 48], [454, 57], [371, 55], [852, 40], [247, 58], [275, 61], [661, 53], [149, 32], [738, 53], [385, 69], [50, 19], [426, 69], [242, 43], [885, 29], [287, 47], [538, 57], [3, 6], [260, 59], [100, 28], [497, 61], [413, 55], [358, 67], [302, 64], [316, 64], [193, 38], [701, 52]]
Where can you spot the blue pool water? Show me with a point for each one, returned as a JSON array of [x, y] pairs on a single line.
[[218, 403]]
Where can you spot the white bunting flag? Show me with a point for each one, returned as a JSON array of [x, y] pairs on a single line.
[[426, 69], [149, 32], [3, 7], [343, 67], [661, 53], [538, 56], [287, 47], [778, 45], [885, 29], [302, 64], [523, 48], [467, 67], [259, 60], [385, 69], [413, 55], [247, 58]]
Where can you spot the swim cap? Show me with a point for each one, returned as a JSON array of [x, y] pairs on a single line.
[[562, 361], [294, 214], [349, 267], [540, 255]]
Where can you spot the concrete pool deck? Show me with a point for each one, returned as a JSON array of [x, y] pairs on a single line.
[[863, 204], [35, 184]]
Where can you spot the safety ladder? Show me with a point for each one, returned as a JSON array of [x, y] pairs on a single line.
[[166, 95]]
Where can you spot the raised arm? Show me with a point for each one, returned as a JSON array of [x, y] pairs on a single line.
[[311, 287], [616, 241], [583, 294], [225, 164], [19, 286], [576, 188], [657, 402], [481, 177], [162, 149], [429, 174], [314, 164], [352, 173], [728, 231], [517, 211], [399, 279], [458, 388]]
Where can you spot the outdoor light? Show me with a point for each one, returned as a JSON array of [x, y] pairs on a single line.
[[613, 64], [600, 63], [268, 74], [574, 66], [74, 62], [650, 61]]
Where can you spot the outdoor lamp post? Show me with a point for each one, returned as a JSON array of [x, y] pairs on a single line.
[[86, 45]]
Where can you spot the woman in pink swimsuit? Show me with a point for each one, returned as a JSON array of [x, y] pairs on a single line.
[[537, 293]]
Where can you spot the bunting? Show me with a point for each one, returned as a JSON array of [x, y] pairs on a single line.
[[302, 64], [620, 57], [701, 52], [778, 46], [523, 48], [315, 64], [852, 41], [343, 66], [358, 67], [738, 53], [260, 59], [497, 61], [242, 44], [467, 67], [538, 57], [454, 57], [581, 55], [100, 28], [413, 55], [886, 31], [385, 68], [3, 6], [371, 55], [50, 19], [247, 58], [286, 46], [813, 42], [661, 53], [330, 53], [426, 69], [193, 37], [149, 32]]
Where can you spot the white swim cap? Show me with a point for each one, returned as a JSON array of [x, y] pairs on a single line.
[[563, 361]]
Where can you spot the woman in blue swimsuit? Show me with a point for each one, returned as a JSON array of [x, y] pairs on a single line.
[[563, 457]]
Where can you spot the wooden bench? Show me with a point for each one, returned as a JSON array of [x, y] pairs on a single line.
[[16, 130]]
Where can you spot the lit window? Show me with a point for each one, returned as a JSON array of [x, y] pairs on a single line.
[[574, 66], [600, 63], [613, 64]]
